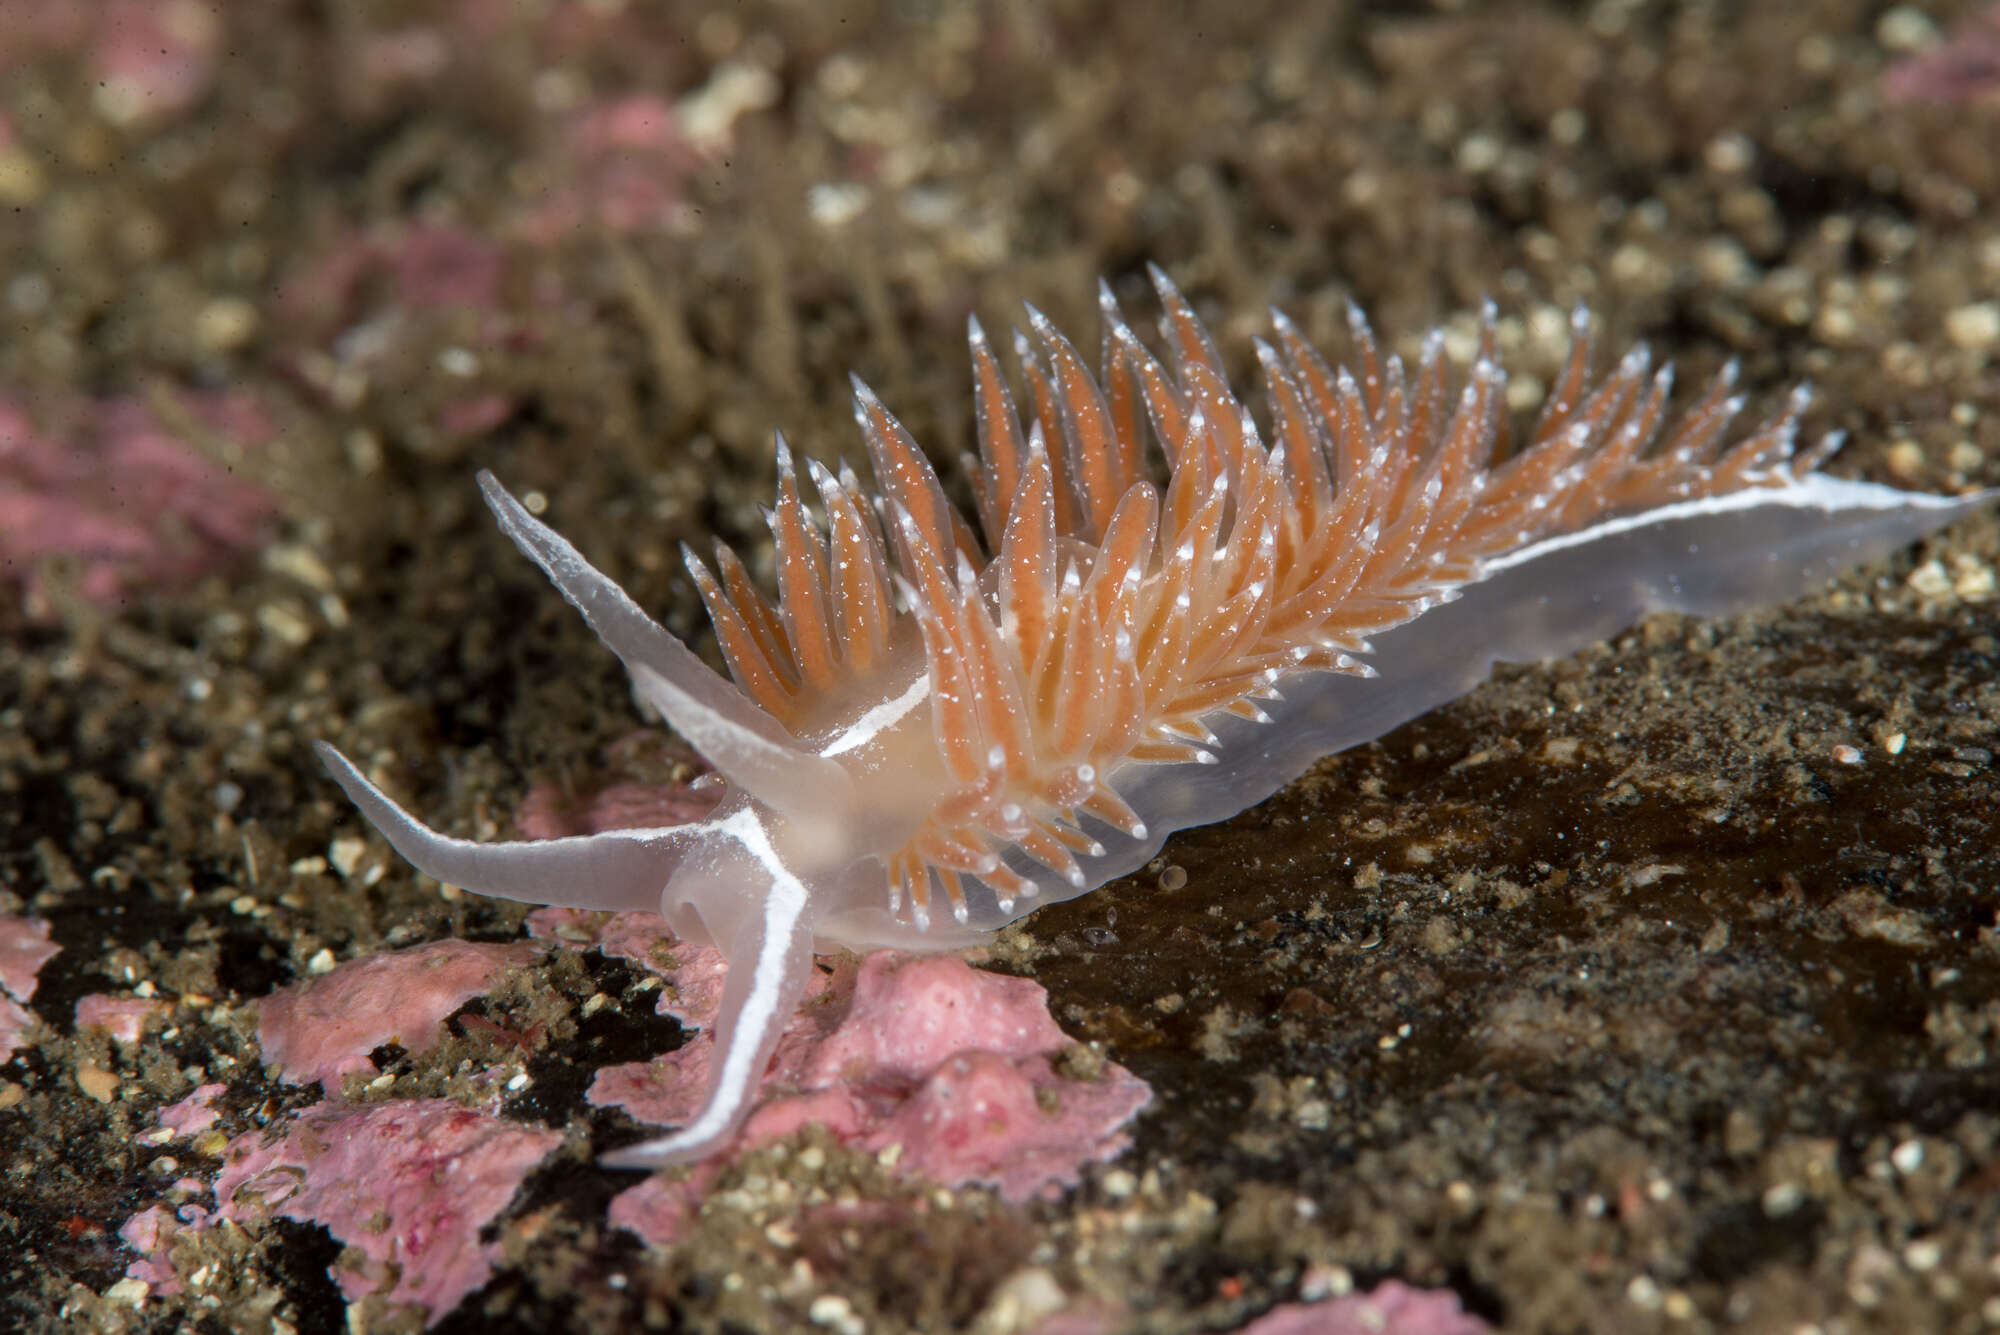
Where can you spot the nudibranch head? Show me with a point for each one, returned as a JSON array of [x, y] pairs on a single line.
[[1166, 611]]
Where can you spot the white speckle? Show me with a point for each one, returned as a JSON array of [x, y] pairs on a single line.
[[835, 204], [1643, 1293], [346, 852], [1783, 1198], [1906, 28], [733, 88], [835, 1313]]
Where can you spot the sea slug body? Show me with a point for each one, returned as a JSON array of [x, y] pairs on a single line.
[[935, 729]]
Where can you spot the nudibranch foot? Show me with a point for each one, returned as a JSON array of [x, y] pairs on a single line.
[[770, 963]]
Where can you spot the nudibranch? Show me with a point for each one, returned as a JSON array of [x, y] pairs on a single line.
[[936, 728]]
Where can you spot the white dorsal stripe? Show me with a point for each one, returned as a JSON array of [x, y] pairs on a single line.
[[1816, 491], [879, 719]]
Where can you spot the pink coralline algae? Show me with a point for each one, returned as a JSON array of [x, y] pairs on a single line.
[[24, 948], [694, 974], [953, 1065], [627, 794], [375, 302], [1963, 69], [147, 62], [324, 1029], [123, 1018], [192, 1115], [406, 1185], [548, 813], [1392, 1308], [110, 486], [14, 1021], [619, 166], [391, 272], [153, 59]]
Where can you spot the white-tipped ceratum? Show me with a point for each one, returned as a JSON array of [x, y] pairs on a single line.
[[1166, 610]]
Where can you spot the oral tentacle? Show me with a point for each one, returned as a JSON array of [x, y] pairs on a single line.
[[616, 871], [744, 743]]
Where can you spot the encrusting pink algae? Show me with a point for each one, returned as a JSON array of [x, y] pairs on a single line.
[[1393, 1308], [122, 1019], [952, 1073], [324, 1028], [957, 1068], [407, 1185], [24, 948], [115, 487]]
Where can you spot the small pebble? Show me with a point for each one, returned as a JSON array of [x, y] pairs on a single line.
[[97, 1082]]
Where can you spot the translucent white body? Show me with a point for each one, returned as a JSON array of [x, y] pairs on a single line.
[[869, 765]]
